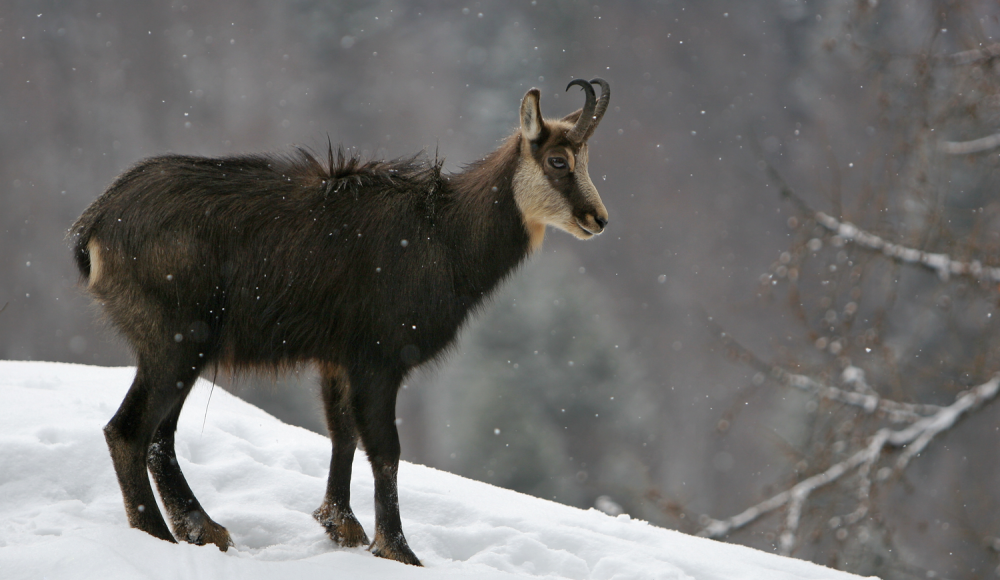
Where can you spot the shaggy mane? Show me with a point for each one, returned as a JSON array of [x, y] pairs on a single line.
[[349, 169]]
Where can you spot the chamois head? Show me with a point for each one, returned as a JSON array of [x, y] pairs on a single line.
[[551, 184]]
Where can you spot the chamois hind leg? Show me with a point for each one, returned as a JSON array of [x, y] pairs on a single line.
[[335, 514], [188, 519], [162, 381], [373, 398]]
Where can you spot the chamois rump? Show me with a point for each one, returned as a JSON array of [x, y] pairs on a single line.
[[365, 268]]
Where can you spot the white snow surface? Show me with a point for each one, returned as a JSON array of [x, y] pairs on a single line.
[[61, 512]]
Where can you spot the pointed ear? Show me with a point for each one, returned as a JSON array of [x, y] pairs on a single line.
[[531, 116], [573, 117]]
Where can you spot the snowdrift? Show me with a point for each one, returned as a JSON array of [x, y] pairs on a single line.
[[61, 513]]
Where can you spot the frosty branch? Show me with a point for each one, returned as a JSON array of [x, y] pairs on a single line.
[[863, 396], [913, 439], [942, 264], [973, 146], [968, 57]]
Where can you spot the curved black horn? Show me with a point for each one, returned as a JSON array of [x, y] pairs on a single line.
[[578, 133], [602, 105]]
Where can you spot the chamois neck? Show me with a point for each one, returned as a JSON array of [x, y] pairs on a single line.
[[492, 175], [483, 215]]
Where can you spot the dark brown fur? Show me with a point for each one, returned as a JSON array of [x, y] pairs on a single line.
[[264, 261]]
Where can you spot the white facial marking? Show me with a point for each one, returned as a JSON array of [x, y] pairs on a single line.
[[539, 203]]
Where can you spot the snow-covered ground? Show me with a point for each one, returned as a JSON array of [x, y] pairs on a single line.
[[61, 513]]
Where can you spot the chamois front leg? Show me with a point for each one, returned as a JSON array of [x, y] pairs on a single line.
[[373, 397], [335, 514]]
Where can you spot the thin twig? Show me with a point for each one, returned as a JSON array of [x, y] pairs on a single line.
[[783, 188], [973, 56], [942, 264], [896, 411], [875, 446], [870, 402]]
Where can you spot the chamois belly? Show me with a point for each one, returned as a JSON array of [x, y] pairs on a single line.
[[405, 325]]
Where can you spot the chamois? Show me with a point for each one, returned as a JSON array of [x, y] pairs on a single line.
[[364, 268]]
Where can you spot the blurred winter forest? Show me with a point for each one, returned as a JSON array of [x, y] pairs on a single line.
[[784, 339]]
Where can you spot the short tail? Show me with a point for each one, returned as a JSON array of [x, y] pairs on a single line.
[[79, 237]]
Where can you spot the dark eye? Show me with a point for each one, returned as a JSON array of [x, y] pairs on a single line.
[[557, 162]]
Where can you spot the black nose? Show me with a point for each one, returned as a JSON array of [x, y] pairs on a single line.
[[601, 221]]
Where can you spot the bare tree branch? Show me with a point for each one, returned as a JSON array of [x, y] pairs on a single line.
[[869, 401], [896, 411], [915, 437], [921, 432], [940, 263], [974, 146], [716, 528], [875, 446]]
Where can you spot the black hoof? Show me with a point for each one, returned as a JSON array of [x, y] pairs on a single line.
[[396, 549], [342, 527], [199, 529]]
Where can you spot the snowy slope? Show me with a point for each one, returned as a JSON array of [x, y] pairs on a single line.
[[61, 513]]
